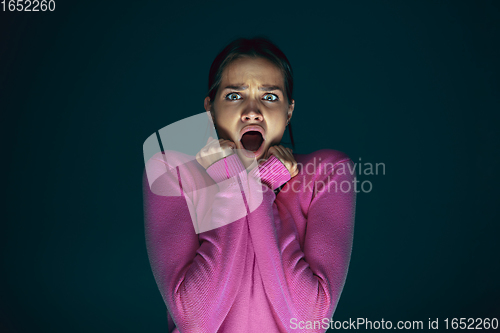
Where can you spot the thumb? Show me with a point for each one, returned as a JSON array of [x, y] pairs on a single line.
[[209, 139], [270, 152]]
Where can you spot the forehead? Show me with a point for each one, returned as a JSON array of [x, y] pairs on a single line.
[[252, 70]]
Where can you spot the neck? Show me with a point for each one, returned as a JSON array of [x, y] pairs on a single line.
[[248, 163]]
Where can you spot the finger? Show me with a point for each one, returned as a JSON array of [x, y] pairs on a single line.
[[288, 160], [281, 150], [289, 154], [271, 151], [278, 153], [211, 143], [228, 143], [287, 151], [212, 147]]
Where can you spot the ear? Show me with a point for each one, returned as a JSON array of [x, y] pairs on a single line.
[[291, 107], [208, 109]]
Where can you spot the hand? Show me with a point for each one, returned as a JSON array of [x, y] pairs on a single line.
[[285, 156], [214, 151]]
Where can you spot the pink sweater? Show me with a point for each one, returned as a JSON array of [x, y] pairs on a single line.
[[280, 267]]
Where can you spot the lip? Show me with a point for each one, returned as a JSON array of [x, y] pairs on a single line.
[[249, 128], [259, 151]]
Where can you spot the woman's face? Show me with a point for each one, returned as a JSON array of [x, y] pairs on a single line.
[[250, 107]]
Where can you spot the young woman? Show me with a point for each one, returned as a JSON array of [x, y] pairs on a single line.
[[276, 254]]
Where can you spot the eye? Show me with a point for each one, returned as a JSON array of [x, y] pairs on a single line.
[[271, 97], [233, 96]]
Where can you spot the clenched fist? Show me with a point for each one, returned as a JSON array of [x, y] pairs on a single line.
[[214, 151], [286, 157]]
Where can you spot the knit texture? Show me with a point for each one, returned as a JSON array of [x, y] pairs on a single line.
[[279, 262]]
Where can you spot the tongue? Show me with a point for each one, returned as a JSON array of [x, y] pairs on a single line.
[[251, 140]]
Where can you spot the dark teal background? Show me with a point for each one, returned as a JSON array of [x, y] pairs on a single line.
[[411, 84]]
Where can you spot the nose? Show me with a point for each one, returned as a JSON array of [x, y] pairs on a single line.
[[252, 114]]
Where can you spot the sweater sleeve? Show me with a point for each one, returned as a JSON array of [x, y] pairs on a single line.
[[271, 173], [304, 284], [198, 275]]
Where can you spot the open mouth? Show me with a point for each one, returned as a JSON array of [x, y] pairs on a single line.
[[252, 142]]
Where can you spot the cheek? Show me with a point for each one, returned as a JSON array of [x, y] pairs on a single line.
[[224, 120], [276, 133], [279, 121], [225, 124]]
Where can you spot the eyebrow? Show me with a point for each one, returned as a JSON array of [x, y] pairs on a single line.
[[265, 87]]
